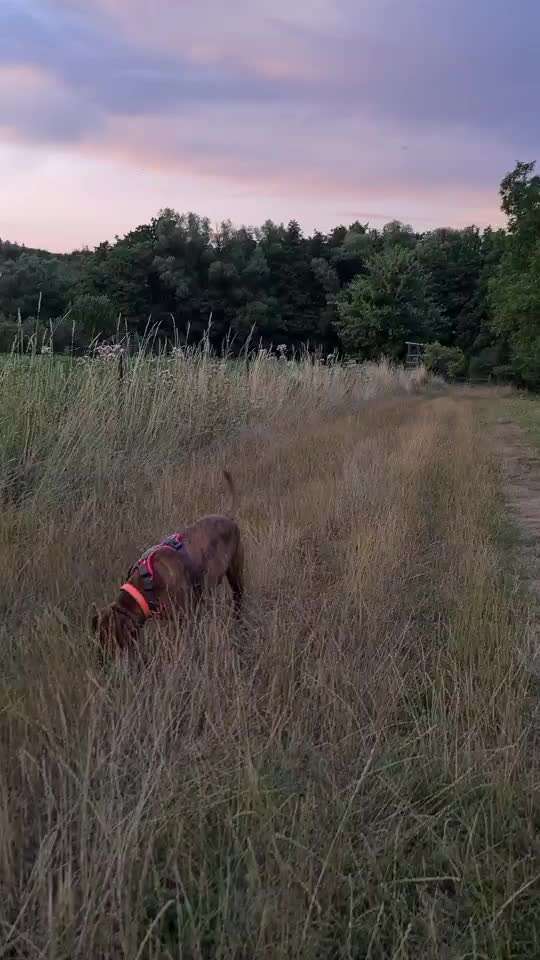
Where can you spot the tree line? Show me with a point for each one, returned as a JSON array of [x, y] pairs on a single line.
[[356, 290]]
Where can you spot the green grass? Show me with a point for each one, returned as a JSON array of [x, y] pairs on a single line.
[[525, 410]]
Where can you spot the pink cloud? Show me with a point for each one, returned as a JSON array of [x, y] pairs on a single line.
[[26, 78], [36, 106], [287, 146], [266, 109], [171, 26], [275, 39], [72, 198]]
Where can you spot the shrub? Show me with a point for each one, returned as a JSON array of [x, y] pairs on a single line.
[[10, 335], [447, 362], [91, 316], [526, 359], [482, 364]]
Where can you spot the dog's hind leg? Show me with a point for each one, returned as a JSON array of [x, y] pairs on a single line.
[[235, 576]]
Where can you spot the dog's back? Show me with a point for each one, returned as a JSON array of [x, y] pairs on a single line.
[[212, 543]]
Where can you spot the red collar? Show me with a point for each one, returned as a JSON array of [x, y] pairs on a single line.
[[140, 600]]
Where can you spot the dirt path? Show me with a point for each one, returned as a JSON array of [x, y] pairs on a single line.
[[521, 473]]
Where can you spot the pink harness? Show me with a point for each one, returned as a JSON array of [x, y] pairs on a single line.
[[145, 566]]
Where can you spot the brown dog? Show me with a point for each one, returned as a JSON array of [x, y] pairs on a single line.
[[171, 576]]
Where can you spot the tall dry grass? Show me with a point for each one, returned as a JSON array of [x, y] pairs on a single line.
[[69, 423], [350, 772]]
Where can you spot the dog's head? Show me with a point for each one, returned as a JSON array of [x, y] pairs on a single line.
[[116, 630]]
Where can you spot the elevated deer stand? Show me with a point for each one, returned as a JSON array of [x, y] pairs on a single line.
[[415, 354]]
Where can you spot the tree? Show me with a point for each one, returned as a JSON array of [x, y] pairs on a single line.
[[398, 234], [350, 250], [124, 272], [258, 319], [183, 254], [520, 201], [256, 273], [516, 302], [386, 306], [375, 288], [32, 285], [293, 286], [92, 316], [515, 287], [453, 261]]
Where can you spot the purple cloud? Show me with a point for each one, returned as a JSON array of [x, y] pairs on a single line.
[[363, 99], [438, 64], [430, 66]]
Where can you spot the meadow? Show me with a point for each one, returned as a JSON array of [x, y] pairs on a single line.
[[352, 770]]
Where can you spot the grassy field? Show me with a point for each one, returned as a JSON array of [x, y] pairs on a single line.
[[352, 771], [525, 410]]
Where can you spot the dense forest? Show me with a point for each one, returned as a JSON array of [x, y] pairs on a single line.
[[356, 290]]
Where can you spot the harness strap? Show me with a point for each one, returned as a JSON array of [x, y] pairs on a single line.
[[145, 568], [138, 597], [176, 541]]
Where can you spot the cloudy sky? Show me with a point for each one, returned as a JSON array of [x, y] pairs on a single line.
[[322, 110]]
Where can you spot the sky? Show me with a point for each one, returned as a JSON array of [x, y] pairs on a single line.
[[325, 111]]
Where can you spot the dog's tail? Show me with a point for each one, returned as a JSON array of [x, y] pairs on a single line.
[[232, 491]]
